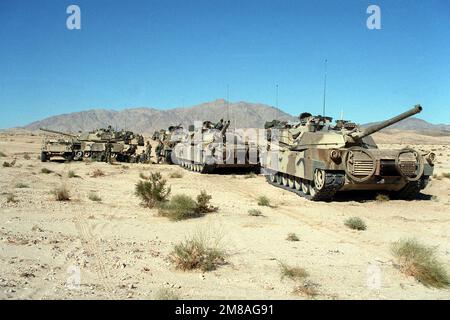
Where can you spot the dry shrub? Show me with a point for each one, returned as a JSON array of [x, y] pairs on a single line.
[[202, 251], [46, 171], [2, 154], [61, 193], [382, 197], [417, 260], [7, 164], [94, 197], [355, 223], [180, 207], [254, 212], [21, 185], [292, 237], [97, 173], [263, 201], [203, 205], [446, 175], [250, 175], [153, 190], [306, 288], [11, 198], [293, 273], [72, 174], [26, 156]]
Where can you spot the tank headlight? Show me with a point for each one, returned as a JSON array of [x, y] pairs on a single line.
[[335, 155]]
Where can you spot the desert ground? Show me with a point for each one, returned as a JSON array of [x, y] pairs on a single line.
[[121, 248]]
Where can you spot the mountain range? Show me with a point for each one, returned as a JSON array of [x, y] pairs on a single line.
[[241, 114]]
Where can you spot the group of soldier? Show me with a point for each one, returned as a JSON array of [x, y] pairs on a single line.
[[143, 157]]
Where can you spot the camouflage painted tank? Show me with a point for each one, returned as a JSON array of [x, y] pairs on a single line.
[[167, 140], [64, 147], [209, 147], [316, 159]]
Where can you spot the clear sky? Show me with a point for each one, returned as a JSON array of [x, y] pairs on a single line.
[[171, 53]]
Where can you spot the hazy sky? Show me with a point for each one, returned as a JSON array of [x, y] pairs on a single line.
[[171, 53]]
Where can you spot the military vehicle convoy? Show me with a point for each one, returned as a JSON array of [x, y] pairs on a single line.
[[316, 159], [209, 147], [97, 145]]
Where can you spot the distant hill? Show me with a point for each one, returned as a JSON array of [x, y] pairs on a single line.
[[146, 120], [243, 114]]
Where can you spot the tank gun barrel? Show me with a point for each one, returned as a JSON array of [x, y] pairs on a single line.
[[377, 127], [58, 132]]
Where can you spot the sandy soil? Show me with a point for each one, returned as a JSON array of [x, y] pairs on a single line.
[[122, 249]]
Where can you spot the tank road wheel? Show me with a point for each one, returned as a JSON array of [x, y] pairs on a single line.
[[305, 186], [284, 179], [291, 182], [279, 178], [298, 183], [202, 168], [272, 177], [191, 166], [197, 168]]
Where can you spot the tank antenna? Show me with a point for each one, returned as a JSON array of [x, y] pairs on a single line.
[[228, 103], [276, 100], [324, 88]]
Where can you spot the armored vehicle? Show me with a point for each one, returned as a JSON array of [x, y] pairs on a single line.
[[65, 147], [209, 147], [316, 159], [167, 140]]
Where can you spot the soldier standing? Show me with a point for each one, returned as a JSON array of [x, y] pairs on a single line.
[[108, 152], [148, 151], [158, 150]]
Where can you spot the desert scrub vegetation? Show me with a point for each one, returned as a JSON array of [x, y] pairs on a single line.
[[2, 154], [46, 171], [293, 273], [72, 174], [166, 294], [292, 237], [446, 175], [7, 164], [61, 193], [306, 288], [381, 197], [94, 197], [355, 223], [11, 198], [420, 261], [254, 212], [181, 207], [152, 190], [198, 252], [26, 156], [263, 201], [176, 175], [21, 185], [97, 173]]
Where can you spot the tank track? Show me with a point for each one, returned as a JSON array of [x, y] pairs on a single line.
[[333, 182], [411, 190]]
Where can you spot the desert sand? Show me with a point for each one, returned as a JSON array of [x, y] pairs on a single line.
[[121, 248]]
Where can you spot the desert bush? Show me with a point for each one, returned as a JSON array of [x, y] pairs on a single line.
[[7, 164], [176, 175], [26, 156], [97, 173], [292, 237], [2, 154], [263, 201], [21, 185], [293, 273], [152, 191], [197, 253], [381, 197], [72, 174], [250, 175], [180, 207], [46, 171], [446, 175], [203, 205], [166, 294], [11, 198], [417, 260], [355, 223], [94, 197], [306, 288], [254, 212], [61, 193], [125, 167]]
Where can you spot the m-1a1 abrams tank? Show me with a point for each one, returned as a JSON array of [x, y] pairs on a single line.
[[101, 144], [210, 146], [316, 160], [64, 147]]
